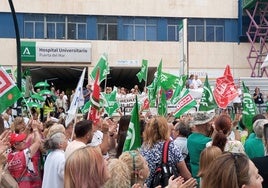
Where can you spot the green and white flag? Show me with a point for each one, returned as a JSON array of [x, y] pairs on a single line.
[[249, 108], [169, 81], [9, 92], [176, 95], [110, 100], [142, 75], [162, 106], [207, 102], [104, 69], [133, 139], [185, 103]]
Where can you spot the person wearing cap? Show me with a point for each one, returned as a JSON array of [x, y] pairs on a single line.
[[202, 123], [254, 146], [20, 164]]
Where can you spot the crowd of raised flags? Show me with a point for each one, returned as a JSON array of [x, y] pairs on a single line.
[[225, 91]]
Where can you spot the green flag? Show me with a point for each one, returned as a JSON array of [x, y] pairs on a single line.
[[249, 108], [185, 103], [113, 106], [9, 92], [162, 106], [181, 84], [104, 69], [142, 75], [110, 101], [86, 107], [169, 81], [207, 102], [133, 139]]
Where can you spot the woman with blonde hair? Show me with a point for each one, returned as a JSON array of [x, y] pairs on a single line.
[[206, 157], [234, 170], [155, 134], [84, 168]]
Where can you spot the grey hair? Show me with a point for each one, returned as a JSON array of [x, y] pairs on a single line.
[[54, 141]]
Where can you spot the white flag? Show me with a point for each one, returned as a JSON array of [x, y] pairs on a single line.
[[78, 100]]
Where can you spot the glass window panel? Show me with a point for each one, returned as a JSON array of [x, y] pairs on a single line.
[[55, 18], [199, 33], [82, 31], [151, 21], [29, 30], [139, 33], [219, 34], [71, 31], [191, 33], [102, 32], [112, 35], [51, 30], [60, 31], [140, 21], [172, 21], [171, 33], [34, 17], [210, 34], [151, 33], [39, 30], [128, 32], [195, 22], [77, 19]]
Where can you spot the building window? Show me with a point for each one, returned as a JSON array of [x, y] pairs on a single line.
[[140, 29], [206, 30], [107, 28], [173, 29], [55, 26]]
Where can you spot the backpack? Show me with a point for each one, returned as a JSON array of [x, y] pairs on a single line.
[[163, 171]]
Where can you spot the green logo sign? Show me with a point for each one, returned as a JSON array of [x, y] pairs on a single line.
[[28, 51]]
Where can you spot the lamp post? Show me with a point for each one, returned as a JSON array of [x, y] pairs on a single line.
[[18, 47]]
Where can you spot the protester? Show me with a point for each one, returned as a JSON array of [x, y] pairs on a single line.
[[223, 126], [262, 162], [85, 168], [87, 93], [83, 135], [20, 163], [234, 170], [55, 161], [254, 146], [196, 82], [137, 165], [237, 102], [258, 98], [122, 133], [206, 157], [155, 134], [197, 141]]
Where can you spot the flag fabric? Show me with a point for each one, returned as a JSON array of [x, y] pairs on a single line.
[[146, 104], [104, 69], [169, 81], [142, 75], [180, 29], [110, 100], [86, 107], [9, 92], [207, 102], [185, 103], [93, 114], [249, 108], [176, 95], [162, 106], [78, 100], [133, 139], [225, 90]]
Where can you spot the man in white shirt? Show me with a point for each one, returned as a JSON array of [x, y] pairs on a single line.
[[197, 83]]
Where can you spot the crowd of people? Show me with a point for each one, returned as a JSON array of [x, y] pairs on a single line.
[[206, 150]]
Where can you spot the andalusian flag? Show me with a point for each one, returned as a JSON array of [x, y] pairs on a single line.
[[93, 114], [207, 102], [133, 139], [142, 75], [249, 108], [185, 103], [9, 92], [104, 69]]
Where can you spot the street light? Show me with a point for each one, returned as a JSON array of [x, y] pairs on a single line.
[[18, 47]]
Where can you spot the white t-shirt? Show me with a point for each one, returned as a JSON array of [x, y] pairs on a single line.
[[72, 146], [54, 170]]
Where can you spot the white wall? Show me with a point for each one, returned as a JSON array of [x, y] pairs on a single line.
[[165, 8]]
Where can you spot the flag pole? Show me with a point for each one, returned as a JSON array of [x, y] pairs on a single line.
[[27, 107], [75, 120]]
